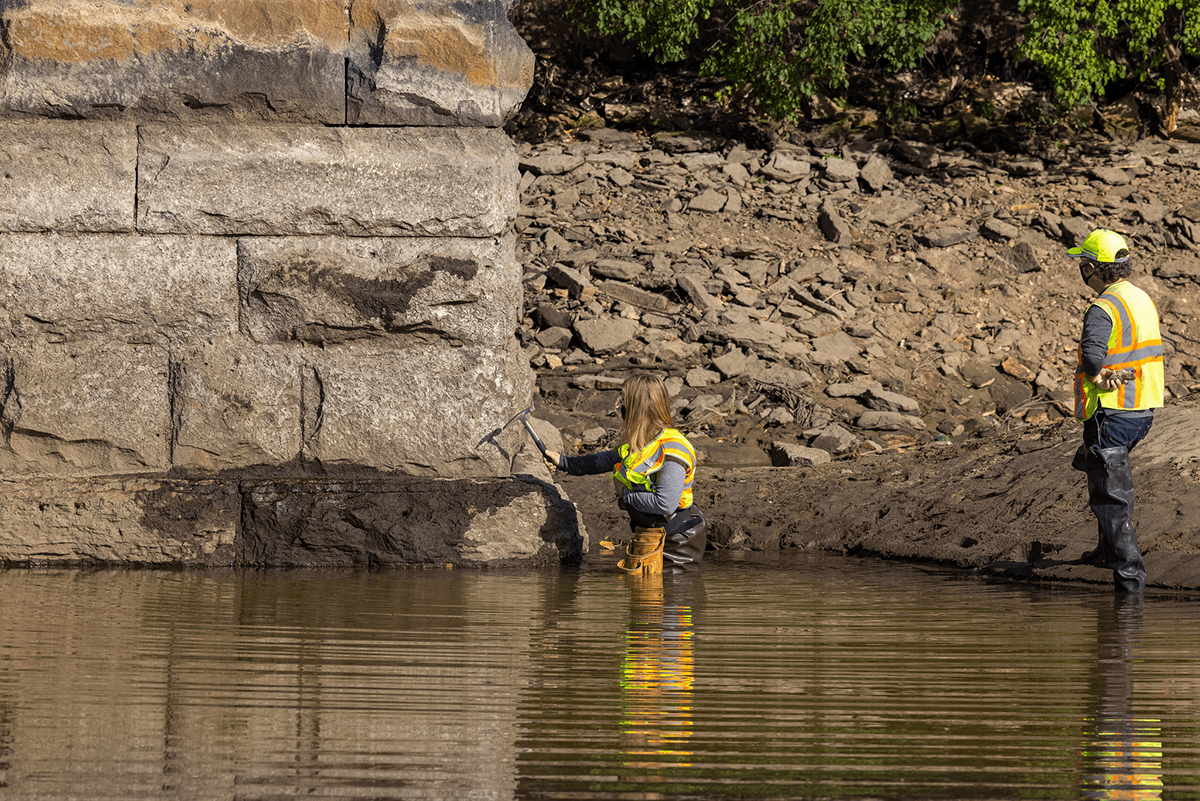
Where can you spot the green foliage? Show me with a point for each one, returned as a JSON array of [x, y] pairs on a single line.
[[783, 50], [1085, 46], [788, 50], [662, 29]]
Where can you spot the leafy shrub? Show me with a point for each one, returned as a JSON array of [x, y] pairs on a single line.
[[784, 51], [1086, 46], [661, 29], [788, 50]]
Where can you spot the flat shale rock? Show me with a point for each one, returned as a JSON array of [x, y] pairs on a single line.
[[893, 210], [788, 454], [606, 335]]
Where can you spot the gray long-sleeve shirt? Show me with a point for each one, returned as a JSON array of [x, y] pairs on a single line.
[[1097, 328], [668, 485]]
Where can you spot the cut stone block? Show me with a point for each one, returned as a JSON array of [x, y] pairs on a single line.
[[401, 520], [116, 287], [330, 290], [237, 404], [121, 520], [67, 176], [422, 410], [277, 180], [86, 409], [435, 63], [367, 518], [280, 60]]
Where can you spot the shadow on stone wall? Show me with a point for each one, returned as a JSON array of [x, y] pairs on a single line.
[[289, 516]]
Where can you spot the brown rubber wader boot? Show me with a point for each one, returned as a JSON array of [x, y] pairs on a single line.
[[644, 554]]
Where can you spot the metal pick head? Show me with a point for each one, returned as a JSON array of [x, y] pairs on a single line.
[[490, 437]]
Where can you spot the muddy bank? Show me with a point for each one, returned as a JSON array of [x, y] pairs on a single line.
[[1009, 505]]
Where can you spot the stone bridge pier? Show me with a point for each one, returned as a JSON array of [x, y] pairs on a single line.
[[258, 289]]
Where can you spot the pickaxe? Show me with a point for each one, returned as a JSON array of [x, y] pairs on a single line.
[[524, 417]]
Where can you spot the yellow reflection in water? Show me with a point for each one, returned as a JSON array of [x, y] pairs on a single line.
[[1127, 762], [657, 675], [1124, 758]]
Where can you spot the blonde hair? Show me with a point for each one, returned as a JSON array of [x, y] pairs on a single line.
[[646, 410]]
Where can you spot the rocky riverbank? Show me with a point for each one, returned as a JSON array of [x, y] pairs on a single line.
[[883, 301]]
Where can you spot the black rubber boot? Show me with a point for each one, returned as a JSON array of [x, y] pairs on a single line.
[[1110, 494], [1085, 462], [1102, 554]]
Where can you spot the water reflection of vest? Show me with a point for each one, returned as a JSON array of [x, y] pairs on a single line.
[[658, 674], [1129, 770], [1123, 758], [1134, 342], [638, 470]]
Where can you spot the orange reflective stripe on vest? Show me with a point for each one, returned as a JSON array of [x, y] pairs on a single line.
[[1135, 343]]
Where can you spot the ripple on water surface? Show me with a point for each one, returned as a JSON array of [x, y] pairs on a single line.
[[789, 676]]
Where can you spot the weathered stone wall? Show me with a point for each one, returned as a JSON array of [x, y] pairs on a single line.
[[325, 62], [246, 236]]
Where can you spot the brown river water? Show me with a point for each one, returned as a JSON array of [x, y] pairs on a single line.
[[795, 675]]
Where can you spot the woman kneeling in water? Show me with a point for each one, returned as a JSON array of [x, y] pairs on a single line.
[[652, 469]]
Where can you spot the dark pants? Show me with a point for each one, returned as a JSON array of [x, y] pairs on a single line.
[[1108, 439], [687, 536]]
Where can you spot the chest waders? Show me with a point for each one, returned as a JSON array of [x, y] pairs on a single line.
[[685, 536]]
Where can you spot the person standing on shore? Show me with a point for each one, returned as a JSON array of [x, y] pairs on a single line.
[[653, 469], [1118, 384]]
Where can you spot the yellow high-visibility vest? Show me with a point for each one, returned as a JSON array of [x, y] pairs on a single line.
[[637, 470], [1134, 342]]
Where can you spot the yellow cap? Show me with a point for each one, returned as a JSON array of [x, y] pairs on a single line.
[[1102, 245]]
